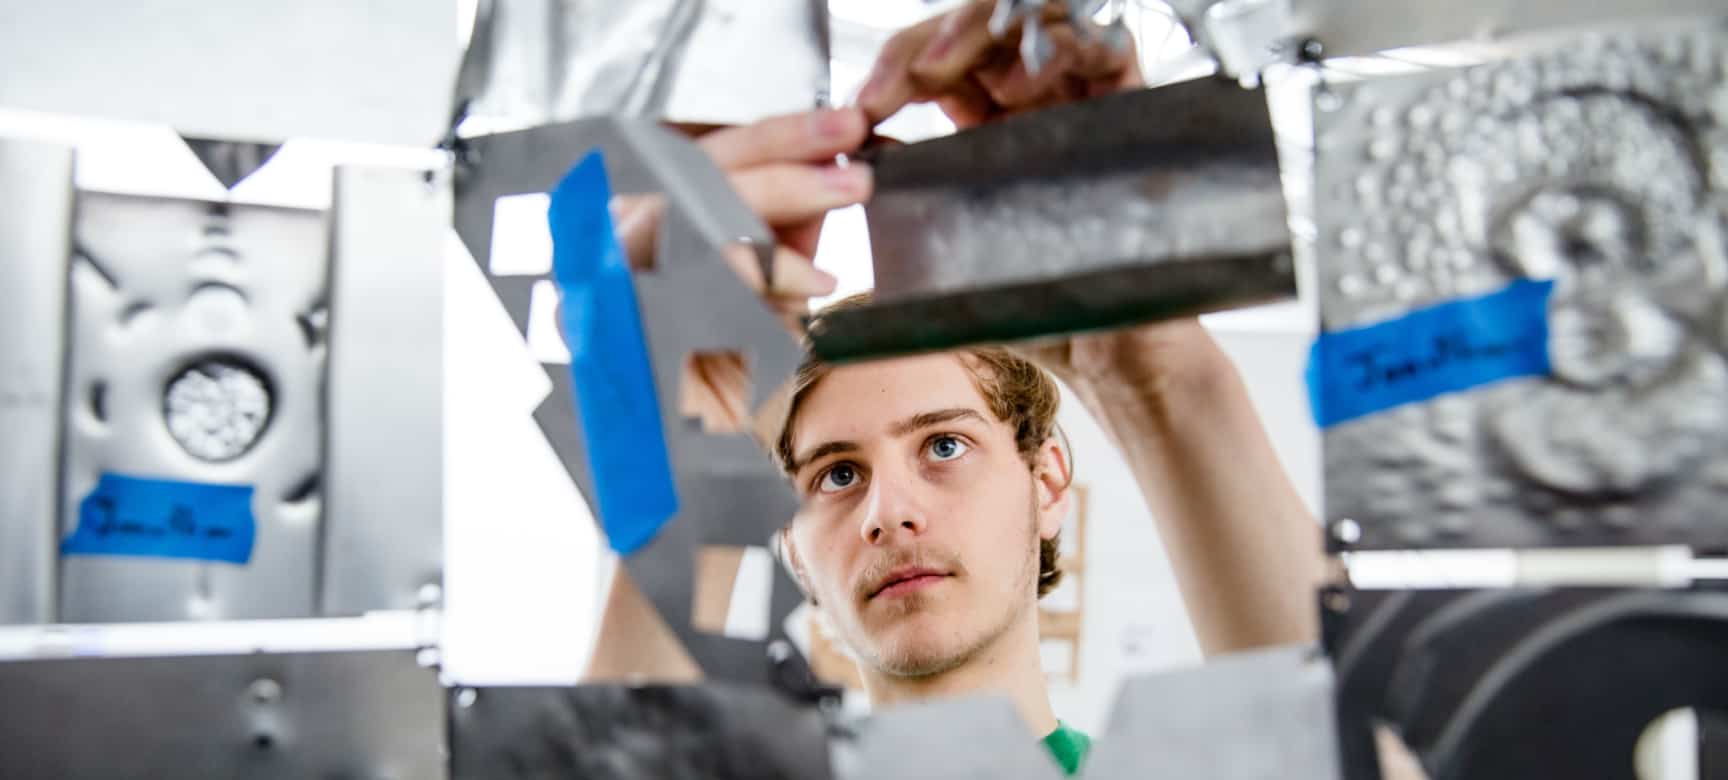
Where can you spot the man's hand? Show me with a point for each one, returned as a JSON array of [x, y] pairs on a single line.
[[784, 168], [953, 61]]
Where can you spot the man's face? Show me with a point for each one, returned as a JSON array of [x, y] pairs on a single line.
[[920, 523]]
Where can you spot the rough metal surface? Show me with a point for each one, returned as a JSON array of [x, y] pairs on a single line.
[[602, 732], [1602, 165], [537, 62], [351, 714], [1120, 209]]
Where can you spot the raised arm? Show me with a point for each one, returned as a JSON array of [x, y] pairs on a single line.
[[1246, 552]]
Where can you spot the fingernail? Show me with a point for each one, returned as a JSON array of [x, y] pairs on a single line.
[[831, 123], [827, 281], [850, 178]]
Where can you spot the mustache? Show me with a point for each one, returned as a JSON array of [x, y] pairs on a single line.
[[864, 585]]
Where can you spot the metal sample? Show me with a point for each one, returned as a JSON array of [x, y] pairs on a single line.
[[163, 292], [601, 732], [539, 62], [1266, 713], [383, 492], [348, 714], [244, 71], [973, 737], [1127, 208], [1247, 36], [1356, 27], [36, 238], [1602, 167], [1523, 683], [729, 491]]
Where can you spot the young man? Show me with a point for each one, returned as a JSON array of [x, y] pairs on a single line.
[[932, 485]]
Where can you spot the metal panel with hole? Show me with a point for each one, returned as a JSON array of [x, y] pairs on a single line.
[[198, 351]]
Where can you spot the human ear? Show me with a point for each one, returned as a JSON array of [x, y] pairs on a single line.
[[1052, 477]]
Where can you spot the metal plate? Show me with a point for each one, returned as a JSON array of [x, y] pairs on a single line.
[[548, 61], [1602, 165], [242, 71], [365, 714], [975, 737], [1354, 27], [730, 493], [35, 237], [600, 732], [159, 285], [1086, 216], [1517, 684], [1260, 714], [384, 536]]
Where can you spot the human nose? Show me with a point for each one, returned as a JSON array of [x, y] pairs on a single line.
[[892, 507]]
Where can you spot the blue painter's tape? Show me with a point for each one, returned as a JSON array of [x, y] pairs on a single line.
[[615, 393], [1441, 349], [162, 518]]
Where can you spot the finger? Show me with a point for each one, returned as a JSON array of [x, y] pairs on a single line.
[[1096, 59], [789, 193], [801, 137], [636, 222], [968, 104], [1013, 88], [889, 87], [962, 43], [795, 276], [803, 237]]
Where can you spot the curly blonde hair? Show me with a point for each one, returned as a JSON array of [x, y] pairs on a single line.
[[1017, 391]]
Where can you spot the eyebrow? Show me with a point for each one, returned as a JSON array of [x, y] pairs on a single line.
[[914, 423], [928, 419]]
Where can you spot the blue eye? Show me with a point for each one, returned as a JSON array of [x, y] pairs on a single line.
[[947, 447], [838, 477]]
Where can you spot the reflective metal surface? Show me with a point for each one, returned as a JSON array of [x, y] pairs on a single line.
[[538, 62], [239, 71], [1354, 27], [35, 239], [729, 491], [1259, 714], [1600, 165], [354, 714], [160, 285], [1522, 683], [231, 161], [600, 732], [384, 536], [1087, 216], [971, 737]]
